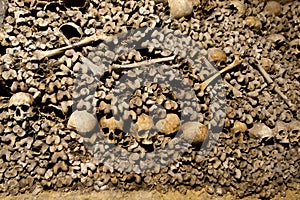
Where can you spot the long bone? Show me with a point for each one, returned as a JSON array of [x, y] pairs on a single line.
[[237, 61], [39, 55]]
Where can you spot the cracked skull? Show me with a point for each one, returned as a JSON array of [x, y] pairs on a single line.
[[20, 106]]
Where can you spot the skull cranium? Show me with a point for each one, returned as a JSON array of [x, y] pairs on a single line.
[[20, 106], [112, 125], [281, 130], [294, 132], [83, 121]]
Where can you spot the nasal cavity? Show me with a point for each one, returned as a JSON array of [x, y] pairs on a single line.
[[18, 113]]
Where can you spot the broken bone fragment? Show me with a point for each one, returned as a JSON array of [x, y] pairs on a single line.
[[82, 121], [261, 131]]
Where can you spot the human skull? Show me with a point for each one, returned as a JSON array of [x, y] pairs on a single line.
[[143, 132], [294, 132], [295, 46], [281, 130], [20, 106], [113, 126], [82, 121]]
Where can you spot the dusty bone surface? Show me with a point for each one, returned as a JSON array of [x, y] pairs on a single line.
[[40, 64]]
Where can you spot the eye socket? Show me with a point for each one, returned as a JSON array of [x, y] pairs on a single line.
[[25, 108], [295, 131], [282, 132], [13, 107]]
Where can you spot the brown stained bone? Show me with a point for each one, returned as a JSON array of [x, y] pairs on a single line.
[[60, 165], [18, 130], [217, 55], [16, 85], [194, 132], [180, 8], [144, 122], [253, 22], [111, 123], [261, 131], [273, 8], [169, 125], [63, 94], [53, 85], [267, 64], [232, 184], [142, 63], [276, 88], [9, 139], [239, 127], [52, 139], [82, 121], [25, 142], [237, 61], [236, 92], [5, 155], [39, 55], [40, 146], [49, 97], [13, 186]]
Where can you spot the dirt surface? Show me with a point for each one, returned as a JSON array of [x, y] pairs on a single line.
[[132, 195]]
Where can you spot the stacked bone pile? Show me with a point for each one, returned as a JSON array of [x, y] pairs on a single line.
[[44, 147], [141, 110]]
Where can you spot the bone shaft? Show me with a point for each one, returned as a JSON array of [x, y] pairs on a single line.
[[85, 41], [265, 74], [270, 81], [229, 67], [146, 62]]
